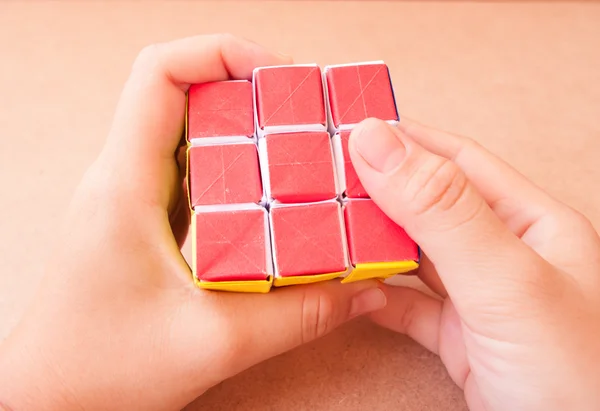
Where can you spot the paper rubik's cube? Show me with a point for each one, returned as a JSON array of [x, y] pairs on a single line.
[[274, 197]]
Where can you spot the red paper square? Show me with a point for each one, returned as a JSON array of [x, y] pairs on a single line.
[[231, 245], [289, 96], [301, 167], [358, 92], [224, 174], [354, 188], [307, 239], [220, 109], [373, 237]]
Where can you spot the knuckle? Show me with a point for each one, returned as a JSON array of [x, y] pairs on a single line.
[[580, 221], [439, 184], [147, 54], [225, 37], [149, 58], [318, 315]]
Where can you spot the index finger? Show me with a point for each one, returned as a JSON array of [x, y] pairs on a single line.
[[150, 113], [517, 201], [149, 120]]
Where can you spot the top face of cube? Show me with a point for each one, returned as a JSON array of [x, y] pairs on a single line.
[[290, 98], [373, 237], [224, 174], [232, 245], [307, 239], [220, 109], [357, 92], [300, 167]]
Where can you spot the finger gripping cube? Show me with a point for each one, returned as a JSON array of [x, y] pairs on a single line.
[[273, 192]]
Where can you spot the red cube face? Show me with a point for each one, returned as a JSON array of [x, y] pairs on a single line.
[[289, 97], [232, 245], [354, 188], [373, 237], [357, 92], [224, 174], [220, 109], [300, 167], [307, 239]]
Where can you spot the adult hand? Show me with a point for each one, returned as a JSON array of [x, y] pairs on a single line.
[[517, 323], [118, 323]]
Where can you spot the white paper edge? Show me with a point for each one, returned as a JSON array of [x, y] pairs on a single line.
[[338, 161], [273, 248], [263, 158], [361, 63], [349, 127], [330, 126], [268, 244], [221, 141], [345, 246], [336, 176], [202, 209]]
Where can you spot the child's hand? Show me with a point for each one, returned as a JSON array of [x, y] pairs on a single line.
[[519, 273], [118, 323]]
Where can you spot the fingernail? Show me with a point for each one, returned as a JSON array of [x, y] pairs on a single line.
[[378, 145], [367, 301]]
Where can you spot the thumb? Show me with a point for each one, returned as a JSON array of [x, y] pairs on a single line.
[[264, 326], [474, 253]]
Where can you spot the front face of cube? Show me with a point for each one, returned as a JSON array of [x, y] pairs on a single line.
[[224, 174], [300, 167], [307, 240], [273, 191], [232, 245], [377, 245], [358, 92], [220, 109], [290, 98]]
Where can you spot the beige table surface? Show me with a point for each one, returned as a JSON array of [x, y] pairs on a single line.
[[521, 78]]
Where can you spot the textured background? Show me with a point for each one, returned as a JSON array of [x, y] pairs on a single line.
[[523, 79]]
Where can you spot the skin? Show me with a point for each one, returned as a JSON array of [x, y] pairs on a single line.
[[117, 323]]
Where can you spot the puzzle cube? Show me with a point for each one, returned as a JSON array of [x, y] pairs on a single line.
[[298, 167], [232, 245], [273, 191], [307, 239], [224, 174], [220, 109], [359, 91], [350, 184], [289, 98], [377, 244]]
